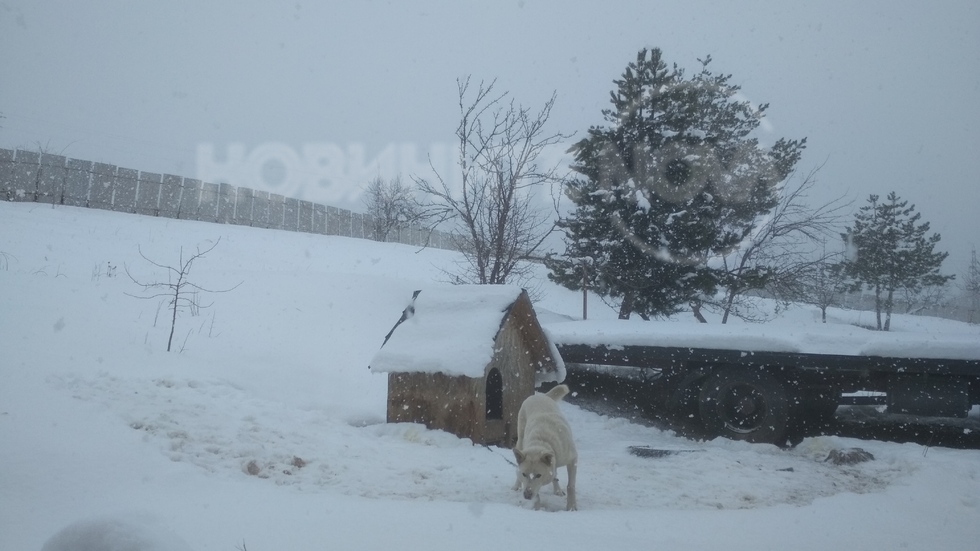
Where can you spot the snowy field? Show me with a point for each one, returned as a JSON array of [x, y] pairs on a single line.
[[265, 430]]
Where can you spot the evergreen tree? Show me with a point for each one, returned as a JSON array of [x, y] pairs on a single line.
[[889, 250], [673, 182], [971, 286]]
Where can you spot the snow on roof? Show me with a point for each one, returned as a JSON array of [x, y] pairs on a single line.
[[451, 331], [813, 338]]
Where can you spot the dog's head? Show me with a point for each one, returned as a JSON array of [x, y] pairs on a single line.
[[536, 468]]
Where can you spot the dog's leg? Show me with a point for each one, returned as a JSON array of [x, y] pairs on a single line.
[[557, 487], [519, 457], [570, 504]]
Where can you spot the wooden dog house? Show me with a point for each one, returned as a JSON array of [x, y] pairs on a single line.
[[463, 358]]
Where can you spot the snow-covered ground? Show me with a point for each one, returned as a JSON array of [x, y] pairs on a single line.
[[265, 430]]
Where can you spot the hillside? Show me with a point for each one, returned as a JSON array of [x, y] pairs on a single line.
[[264, 428]]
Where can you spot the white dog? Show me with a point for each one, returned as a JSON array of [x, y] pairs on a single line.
[[544, 443]]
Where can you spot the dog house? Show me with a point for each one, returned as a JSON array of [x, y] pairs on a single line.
[[462, 358]]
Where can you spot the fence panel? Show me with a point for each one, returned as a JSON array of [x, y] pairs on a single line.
[[51, 178], [6, 174], [37, 177], [124, 190], [148, 193], [100, 193], [170, 196], [26, 166], [78, 181]]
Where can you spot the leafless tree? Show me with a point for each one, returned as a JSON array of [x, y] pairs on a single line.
[[918, 300], [784, 249], [180, 292], [823, 285], [496, 223], [393, 206]]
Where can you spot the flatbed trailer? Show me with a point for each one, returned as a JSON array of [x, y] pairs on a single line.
[[779, 396]]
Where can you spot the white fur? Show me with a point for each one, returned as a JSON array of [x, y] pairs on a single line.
[[544, 443]]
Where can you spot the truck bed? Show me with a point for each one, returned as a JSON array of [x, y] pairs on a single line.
[[807, 345]]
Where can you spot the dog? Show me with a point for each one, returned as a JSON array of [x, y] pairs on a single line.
[[544, 443]]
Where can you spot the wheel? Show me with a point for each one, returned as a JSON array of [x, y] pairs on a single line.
[[744, 404]]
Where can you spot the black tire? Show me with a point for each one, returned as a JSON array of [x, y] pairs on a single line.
[[746, 404]]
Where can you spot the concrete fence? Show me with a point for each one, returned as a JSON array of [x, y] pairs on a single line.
[[44, 178]]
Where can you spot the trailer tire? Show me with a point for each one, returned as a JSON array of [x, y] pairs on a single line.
[[748, 405]]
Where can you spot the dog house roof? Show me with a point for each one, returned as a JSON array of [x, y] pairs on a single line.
[[449, 329]]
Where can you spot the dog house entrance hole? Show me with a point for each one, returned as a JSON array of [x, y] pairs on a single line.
[[495, 395]]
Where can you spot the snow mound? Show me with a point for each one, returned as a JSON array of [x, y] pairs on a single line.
[[115, 534]]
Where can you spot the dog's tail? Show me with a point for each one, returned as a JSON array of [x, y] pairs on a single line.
[[558, 392]]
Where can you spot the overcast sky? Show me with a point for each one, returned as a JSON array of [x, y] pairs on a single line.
[[886, 92]]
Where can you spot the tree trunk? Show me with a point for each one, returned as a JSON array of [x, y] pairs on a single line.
[[626, 308], [729, 300], [878, 305], [696, 309], [888, 309]]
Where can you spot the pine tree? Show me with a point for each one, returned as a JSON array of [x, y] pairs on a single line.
[[671, 183], [889, 250], [971, 286]]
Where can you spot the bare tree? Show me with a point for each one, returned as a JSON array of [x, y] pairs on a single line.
[[781, 252], [920, 299], [392, 206], [497, 225], [178, 289], [823, 285]]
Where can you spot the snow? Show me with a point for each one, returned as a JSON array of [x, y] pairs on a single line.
[[265, 429], [117, 534], [796, 332], [450, 330]]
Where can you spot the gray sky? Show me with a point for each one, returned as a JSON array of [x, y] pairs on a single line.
[[886, 92]]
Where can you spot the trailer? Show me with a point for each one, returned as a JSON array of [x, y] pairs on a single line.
[[769, 384]]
